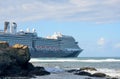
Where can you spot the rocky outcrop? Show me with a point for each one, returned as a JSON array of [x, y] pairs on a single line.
[[14, 61], [88, 68], [72, 71], [86, 71], [98, 75], [3, 44], [22, 53]]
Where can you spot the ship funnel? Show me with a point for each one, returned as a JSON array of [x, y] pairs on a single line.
[[33, 30], [13, 28], [28, 30], [6, 27]]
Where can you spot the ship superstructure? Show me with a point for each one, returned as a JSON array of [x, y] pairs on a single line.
[[57, 45]]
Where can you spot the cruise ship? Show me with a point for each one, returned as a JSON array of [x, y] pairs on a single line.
[[56, 45]]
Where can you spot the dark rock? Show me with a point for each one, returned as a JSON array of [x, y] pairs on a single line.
[[88, 78], [5, 61], [3, 44], [88, 68], [25, 73], [14, 62], [98, 75], [22, 53], [12, 70], [114, 78], [39, 71], [28, 66], [72, 70], [84, 73]]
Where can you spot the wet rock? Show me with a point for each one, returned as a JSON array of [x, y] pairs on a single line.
[[88, 68], [84, 73], [112, 78], [72, 70], [98, 75], [38, 71], [88, 78]]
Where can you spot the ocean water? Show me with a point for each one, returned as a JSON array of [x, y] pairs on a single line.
[[58, 66]]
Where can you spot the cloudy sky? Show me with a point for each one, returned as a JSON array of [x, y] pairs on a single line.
[[95, 24]]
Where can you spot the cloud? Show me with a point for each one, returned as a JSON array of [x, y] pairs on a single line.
[[101, 41], [98, 11]]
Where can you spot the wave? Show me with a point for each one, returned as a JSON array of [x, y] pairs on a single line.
[[74, 60], [110, 72]]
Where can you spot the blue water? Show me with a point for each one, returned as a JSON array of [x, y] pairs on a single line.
[[109, 65], [97, 62]]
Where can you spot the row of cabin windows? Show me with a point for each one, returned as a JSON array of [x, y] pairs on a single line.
[[51, 44]]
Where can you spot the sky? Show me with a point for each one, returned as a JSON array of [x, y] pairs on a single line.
[[95, 24]]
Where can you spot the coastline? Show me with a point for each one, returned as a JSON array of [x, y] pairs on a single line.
[[59, 74], [58, 66], [58, 69], [70, 68]]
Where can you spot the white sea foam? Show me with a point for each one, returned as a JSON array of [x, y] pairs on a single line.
[[63, 76], [54, 70], [57, 73], [110, 72], [101, 60], [74, 60], [58, 69]]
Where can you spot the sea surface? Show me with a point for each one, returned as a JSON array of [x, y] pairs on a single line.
[[58, 66]]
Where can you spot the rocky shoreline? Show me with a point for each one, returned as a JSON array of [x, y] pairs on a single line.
[[14, 62], [90, 72]]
